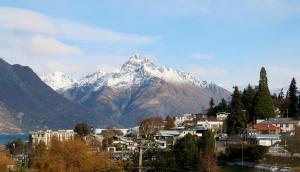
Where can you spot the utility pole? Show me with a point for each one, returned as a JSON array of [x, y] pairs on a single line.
[[140, 159]]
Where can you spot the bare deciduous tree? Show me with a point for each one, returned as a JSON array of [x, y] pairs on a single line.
[[149, 126]]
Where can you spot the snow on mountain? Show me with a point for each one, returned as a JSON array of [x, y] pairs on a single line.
[[277, 91], [58, 80], [136, 70], [91, 78]]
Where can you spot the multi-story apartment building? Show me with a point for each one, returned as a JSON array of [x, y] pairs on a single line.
[[46, 136]]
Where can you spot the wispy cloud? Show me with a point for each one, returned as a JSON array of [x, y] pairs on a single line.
[[54, 66], [26, 21], [50, 44]]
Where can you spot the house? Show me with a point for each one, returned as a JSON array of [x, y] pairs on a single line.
[[212, 125], [179, 120], [261, 128], [197, 131], [162, 144], [36, 137], [99, 131], [222, 116], [122, 144], [168, 136], [263, 139], [285, 124]]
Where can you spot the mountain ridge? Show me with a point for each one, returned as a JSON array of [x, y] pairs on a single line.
[[141, 89], [137, 65], [27, 103]]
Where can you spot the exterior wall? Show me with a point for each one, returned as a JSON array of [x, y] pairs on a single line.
[[181, 119], [286, 127], [100, 130], [222, 116], [46, 136], [211, 124], [267, 142]]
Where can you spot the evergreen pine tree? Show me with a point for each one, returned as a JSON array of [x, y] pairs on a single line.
[[263, 104], [236, 120], [211, 110], [247, 100], [293, 99], [211, 103], [223, 106]]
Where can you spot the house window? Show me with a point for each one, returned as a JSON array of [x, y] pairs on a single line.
[[281, 125], [287, 125]]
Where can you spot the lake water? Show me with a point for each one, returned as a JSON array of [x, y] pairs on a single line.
[[4, 138]]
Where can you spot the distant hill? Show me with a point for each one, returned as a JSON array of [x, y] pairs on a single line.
[[27, 103]]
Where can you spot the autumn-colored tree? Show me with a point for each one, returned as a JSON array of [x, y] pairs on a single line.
[[5, 160], [149, 126], [73, 156], [170, 122]]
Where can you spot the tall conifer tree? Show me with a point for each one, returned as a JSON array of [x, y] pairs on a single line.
[[236, 121], [263, 104], [293, 99], [247, 100]]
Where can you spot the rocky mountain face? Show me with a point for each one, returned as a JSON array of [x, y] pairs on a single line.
[[27, 103], [141, 89]]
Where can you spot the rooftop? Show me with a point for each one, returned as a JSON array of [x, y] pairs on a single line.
[[280, 121], [265, 127]]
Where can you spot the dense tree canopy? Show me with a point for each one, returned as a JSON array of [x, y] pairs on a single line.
[[263, 104], [247, 101], [236, 121], [82, 129], [15, 147], [293, 99], [187, 153], [72, 156]]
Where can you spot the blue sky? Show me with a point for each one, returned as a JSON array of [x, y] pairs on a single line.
[[223, 41]]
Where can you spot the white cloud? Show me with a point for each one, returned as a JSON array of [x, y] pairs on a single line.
[[53, 66], [50, 44], [41, 44], [36, 44], [16, 19], [20, 20]]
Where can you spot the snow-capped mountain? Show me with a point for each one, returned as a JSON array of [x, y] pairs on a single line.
[[140, 89], [58, 80], [134, 72]]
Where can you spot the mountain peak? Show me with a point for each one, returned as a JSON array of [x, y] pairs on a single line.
[[136, 62], [138, 58], [58, 80]]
